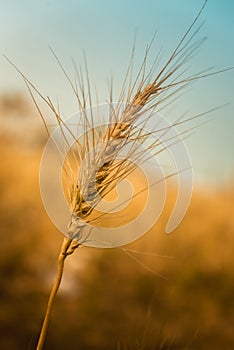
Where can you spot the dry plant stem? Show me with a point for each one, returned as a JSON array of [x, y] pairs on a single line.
[[67, 248]]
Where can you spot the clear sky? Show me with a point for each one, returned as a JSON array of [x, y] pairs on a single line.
[[105, 30]]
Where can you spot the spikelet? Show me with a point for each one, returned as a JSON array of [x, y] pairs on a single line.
[[102, 164]]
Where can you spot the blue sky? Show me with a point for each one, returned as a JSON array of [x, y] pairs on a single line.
[[105, 30]]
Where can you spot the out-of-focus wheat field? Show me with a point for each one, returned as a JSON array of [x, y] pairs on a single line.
[[180, 299]]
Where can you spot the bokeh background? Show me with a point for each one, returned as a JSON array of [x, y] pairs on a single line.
[[177, 291]]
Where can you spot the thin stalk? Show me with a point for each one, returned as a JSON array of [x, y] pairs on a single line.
[[67, 248]]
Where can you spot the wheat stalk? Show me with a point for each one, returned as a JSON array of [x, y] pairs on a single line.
[[105, 170]]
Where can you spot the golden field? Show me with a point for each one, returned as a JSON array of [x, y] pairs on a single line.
[[108, 299]]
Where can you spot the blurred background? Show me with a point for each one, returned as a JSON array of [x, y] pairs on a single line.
[[169, 291]]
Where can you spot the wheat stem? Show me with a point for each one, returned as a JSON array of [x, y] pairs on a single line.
[[67, 248]]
